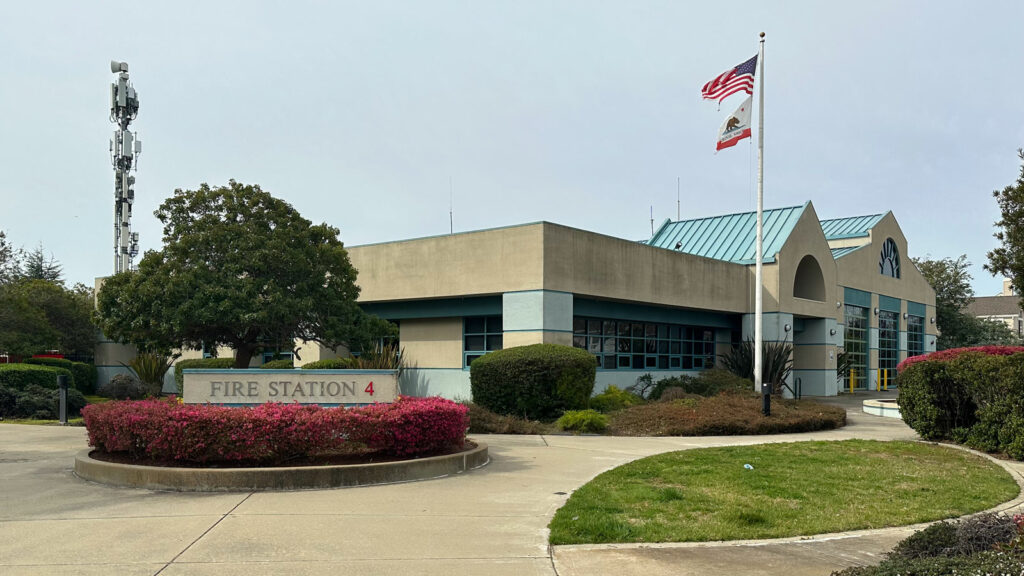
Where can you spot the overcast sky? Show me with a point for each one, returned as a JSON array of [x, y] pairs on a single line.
[[580, 113]]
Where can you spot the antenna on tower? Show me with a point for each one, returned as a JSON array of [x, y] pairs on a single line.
[[451, 206], [652, 220], [125, 149]]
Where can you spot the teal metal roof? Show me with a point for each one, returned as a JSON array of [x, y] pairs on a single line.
[[852, 227], [838, 253], [732, 237]]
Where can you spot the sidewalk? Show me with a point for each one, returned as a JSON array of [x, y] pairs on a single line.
[[490, 521]]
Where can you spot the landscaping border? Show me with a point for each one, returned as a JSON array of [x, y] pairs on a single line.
[[285, 478]]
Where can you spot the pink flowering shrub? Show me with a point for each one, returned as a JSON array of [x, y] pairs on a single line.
[[950, 354], [167, 430]]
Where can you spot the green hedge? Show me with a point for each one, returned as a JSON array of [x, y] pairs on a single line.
[[283, 363], [613, 399], [538, 382], [583, 421], [37, 402], [973, 399], [333, 364], [83, 372], [20, 376], [179, 376]]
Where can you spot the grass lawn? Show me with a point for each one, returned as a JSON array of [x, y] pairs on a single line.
[[794, 489], [71, 422]]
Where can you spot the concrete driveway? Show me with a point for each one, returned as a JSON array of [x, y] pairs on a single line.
[[490, 521]]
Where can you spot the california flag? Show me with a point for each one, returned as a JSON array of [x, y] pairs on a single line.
[[735, 127]]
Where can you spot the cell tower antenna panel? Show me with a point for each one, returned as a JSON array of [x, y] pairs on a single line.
[[125, 149]]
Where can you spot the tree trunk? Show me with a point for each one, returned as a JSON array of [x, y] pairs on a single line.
[[243, 355]]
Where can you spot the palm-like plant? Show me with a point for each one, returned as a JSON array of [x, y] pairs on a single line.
[[150, 368], [383, 357], [776, 363]]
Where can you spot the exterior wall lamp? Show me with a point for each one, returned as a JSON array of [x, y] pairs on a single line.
[[839, 304], [876, 311], [904, 315], [933, 320], [832, 332], [787, 327]]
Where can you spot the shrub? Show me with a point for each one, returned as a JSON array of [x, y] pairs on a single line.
[[281, 364], [947, 355], [163, 429], [483, 421], [214, 363], [705, 383], [585, 421], [20, 376], [683, 382], [85, 377], [127, 387], [931, 402], [982, 564], [939, 539], [38, 402], [677, 393], [539, 381], [614, 399], [55, 362], [984, 532], [333, 364], [643, 386], [150, 368]]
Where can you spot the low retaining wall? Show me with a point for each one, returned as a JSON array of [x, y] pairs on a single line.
[[888, 408], [291, 478]]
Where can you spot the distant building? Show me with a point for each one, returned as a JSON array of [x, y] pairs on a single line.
[[1004, 308]]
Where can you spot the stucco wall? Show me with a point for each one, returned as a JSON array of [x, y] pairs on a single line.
[[432, 342]]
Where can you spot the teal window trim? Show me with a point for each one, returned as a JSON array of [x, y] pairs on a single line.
[[915, 335], [888, 303], [888, 342], [480, 335], [855, 343], [645, 346], [856, 297]]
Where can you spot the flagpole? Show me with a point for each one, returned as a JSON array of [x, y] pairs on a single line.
[[758, 304]]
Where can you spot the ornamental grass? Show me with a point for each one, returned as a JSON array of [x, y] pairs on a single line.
[[164, 430]]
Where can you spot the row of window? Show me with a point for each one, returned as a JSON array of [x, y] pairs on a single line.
[[623, 345]]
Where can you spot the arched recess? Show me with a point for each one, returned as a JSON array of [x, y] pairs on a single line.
[[809, 282]]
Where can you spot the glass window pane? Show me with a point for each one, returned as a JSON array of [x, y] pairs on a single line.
[[579, 325], [623, 328], [662, 346], [709, 335], [494, 324], [623, 361], [594, 345], [624, 344], [651, 330], [638, 361], [652, 361], [470, 358], [662, 330], [494, 342], [474, 343], [674, 361], [663, 362], [687, 362], [475, 325], [609, 362], [676, 332], [638, 330], [593, 326], [652, 347], [579, 341], [675, 348], [609, 327], [609, 346]]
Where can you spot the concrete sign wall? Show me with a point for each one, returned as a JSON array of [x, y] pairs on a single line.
[[255, 386]]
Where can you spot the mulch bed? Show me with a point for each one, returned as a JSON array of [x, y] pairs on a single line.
[[351, 457]]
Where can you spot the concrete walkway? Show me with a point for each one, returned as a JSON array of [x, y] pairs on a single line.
[[491, 521]]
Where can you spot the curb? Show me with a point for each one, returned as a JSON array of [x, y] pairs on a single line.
[[267, 479]]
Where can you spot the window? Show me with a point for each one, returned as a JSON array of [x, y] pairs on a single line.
[[888, 343], [915, 336], [889, 260], [480, 335], [626, 345], [275, 355], [856, 337]]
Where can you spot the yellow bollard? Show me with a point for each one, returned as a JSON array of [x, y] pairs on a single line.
[[853, 379], [886, 380]]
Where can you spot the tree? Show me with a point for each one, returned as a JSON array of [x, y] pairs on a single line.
[[10, 260], [1008, 259], [24, 329], [238, 268], [36, 266], [953, 293], [67, 312]]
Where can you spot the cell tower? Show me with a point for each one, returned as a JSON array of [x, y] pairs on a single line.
[[125, 149]]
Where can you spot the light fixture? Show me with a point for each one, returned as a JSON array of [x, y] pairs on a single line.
[[839, 304], [787, 327], [832, 332], [933, 320], [876, 311], [904, 315]]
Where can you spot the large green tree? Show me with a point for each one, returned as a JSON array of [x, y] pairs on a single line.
[[238, 268], [953, 293], [36, 266], [10, 260], [1008, 259]]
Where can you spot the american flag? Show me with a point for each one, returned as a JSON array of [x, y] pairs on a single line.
[[740, 78]]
